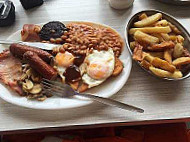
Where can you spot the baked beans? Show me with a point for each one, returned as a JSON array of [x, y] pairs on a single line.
[[81, 38]]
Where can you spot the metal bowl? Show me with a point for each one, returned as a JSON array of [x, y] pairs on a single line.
[[171, 19], [176, 2]]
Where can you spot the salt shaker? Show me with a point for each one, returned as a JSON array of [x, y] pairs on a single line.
[[120, 4]]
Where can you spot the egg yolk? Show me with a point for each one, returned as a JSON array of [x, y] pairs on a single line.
[[64, 59], [98, 70]]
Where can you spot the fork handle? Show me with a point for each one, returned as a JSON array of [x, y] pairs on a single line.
[[111, 102]]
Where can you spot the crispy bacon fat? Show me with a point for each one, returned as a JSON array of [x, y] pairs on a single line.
[[30, 32]]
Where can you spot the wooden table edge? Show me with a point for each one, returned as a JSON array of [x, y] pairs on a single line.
[[88, 126]]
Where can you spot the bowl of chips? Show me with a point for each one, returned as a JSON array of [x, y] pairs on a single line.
[[159, 44]]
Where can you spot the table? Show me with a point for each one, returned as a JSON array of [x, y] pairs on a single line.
[[161, 100]]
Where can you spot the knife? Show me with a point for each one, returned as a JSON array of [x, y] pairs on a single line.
[[45, 46]]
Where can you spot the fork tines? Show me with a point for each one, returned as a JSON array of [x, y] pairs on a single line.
[[54, 87]]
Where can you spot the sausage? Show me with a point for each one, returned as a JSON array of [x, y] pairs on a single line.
[[18, 50], [39, 65]]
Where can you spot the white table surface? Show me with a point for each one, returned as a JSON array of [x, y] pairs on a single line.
[[161, 100]]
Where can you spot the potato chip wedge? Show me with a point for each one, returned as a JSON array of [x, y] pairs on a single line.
[[148, 57], [159, 63], [163, 73], [168, 55], [157, 54], [151, 30], [148, 21], [177, 38], [181, 61], [145, 64], [143, 16], [178, 50], [162, 46], [140, 36], [173, 37], [174, 28], [161, 23], [132, 45], [138, 53], [180, 39], [165, 36], [158, 35]]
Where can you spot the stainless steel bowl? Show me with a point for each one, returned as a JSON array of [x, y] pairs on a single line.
[[176, 2], [171, 19]]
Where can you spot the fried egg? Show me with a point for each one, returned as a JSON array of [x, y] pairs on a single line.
[[97, 67], [63, 61]]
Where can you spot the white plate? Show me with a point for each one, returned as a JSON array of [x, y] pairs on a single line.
[[107, 89]]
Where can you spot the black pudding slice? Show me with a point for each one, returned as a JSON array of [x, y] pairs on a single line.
[[54, 29]]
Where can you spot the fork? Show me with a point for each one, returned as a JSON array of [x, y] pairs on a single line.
[[64, 90]]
